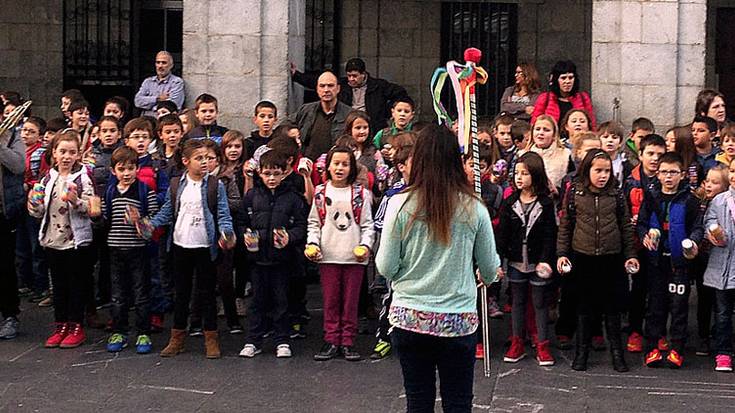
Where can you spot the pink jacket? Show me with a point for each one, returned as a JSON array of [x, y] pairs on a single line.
[[547, 104]]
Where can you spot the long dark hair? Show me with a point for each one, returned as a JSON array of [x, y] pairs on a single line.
[[437, 181], [352, 176], [586, 165], [535, 165]]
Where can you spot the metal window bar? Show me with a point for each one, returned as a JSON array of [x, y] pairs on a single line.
[[97, 41], [322, 25], [492, 28]]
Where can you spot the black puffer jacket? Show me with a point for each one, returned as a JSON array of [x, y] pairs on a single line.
[[595, 223], [540, 230], [263, 211]]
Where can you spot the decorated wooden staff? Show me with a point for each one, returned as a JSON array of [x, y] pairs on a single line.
[[14, 117], [463, 78]]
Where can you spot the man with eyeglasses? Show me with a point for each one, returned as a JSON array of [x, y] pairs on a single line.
[[164, 86]]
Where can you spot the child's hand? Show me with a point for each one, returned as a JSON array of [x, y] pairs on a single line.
[[280, 238], [648, 244], [305, 166], [543, 270], [361, 253], [313, 253], [500, 273], [632, 266], [226, 241], [71, 193], [562, 264], [714, 240], [132, 214]]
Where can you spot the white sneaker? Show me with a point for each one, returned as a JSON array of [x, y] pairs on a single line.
[[283, 351], [249, 351]]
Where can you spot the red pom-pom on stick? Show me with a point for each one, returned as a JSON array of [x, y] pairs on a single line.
[[472, 55]]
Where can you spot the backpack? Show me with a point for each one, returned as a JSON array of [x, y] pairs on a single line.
[[212, 186], [357, 202]]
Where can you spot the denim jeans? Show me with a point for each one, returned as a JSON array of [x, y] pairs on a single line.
[[724, 300], [421, 355], [131, 283]]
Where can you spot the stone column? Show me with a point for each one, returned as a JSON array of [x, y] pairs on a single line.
[[650, 55], [238, 51]]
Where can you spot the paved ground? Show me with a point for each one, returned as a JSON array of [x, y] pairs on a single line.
[[88, 379]]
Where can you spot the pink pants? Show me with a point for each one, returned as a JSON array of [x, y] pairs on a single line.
[[341, 290]]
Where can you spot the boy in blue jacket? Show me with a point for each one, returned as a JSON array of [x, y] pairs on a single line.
[[672, 211]]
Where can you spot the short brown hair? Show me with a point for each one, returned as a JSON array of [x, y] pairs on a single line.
[[124, 155], [138, 124], [169, 119], [503, 120], [205, 98], [611, 127]]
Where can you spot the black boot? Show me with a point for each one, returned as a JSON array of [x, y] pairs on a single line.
[[582, 349], [612, 325]]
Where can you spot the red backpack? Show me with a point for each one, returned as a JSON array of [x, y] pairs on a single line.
[[358, 199]]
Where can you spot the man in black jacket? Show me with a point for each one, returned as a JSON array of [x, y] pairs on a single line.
[[360, 91]]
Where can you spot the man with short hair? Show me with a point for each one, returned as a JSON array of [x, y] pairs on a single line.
[[361, 91], [321, 122], [161, 87]]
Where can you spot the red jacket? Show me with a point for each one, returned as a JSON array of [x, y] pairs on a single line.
[[548, 104]]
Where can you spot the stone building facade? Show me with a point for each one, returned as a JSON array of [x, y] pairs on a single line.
[[650, 56]]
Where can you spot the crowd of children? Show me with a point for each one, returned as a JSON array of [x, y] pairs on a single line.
[[166, 214]]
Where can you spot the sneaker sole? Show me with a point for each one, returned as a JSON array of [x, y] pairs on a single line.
[[119, 350], [513, 360], [249, 356], [545, 363], [701, 354], [724, 369], [70, 345]]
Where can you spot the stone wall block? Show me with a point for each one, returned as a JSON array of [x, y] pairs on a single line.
[[430, 41], [659, 22], [275, 17], [400, 14], [602, 95], [690, 63], [234, 17], [685, 109], [274, 56], [607, 65], [350, 14], [10, 64], [651, 64], [391, 69], [369, 13], [568, 16], [631, 104], [196, 16], [395, 42], [693, 18], [630, 21], [275, 89], [368, 43], [659, 104], [196, 50], [606, 21]]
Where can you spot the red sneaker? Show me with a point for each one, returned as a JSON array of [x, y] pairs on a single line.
[[62, 329], [663, 344], [635, 343], [674, 359], [598, 343], [157, 323], [75, 338], [479, 351], [516, 351], [653, 359], [543, 354]]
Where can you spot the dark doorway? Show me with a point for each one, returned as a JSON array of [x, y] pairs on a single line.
[[490, 27], [110, 45], [322, 43], [725, 55]]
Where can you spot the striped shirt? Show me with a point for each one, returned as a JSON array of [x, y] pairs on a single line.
[[380, 214], [122, 234]]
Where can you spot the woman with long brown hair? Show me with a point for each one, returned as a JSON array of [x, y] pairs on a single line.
[[433, 232], [518, 100]]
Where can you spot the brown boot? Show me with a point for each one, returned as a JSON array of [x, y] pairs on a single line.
[[211, 343], [175, 343]]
